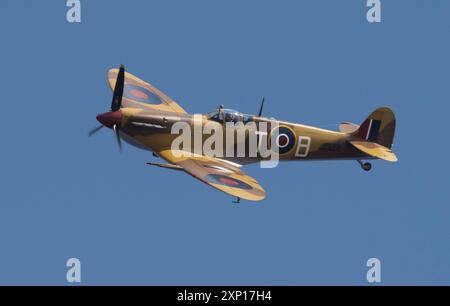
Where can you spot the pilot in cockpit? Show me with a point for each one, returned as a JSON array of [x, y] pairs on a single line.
[[223, 115]]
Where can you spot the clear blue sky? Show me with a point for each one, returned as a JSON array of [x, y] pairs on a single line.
[[317, 62]]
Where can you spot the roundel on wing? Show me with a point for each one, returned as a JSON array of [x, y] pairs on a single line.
[[285, 140], [140, 94], [227, 181]]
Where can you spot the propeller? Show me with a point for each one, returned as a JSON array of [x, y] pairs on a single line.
[[95, 130], [118, 90], [113, 118], [119, 141]]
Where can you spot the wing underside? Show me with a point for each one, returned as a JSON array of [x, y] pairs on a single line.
[[217, 173]]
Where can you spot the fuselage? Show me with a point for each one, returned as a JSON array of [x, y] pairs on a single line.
[[153, 130]]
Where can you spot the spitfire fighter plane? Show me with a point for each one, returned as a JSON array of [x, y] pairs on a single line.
[[142, 116]]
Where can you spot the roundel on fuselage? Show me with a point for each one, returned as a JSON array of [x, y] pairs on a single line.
[[284, 140]]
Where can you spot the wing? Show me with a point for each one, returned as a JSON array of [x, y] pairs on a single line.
[[375, 150], [220, 174], [139, 94]]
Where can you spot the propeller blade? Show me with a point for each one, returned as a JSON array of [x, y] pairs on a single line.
[[119, 141], [118, 90], [261, 108], [95, 130]]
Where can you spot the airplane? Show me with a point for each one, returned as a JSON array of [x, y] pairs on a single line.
[[142, 116]]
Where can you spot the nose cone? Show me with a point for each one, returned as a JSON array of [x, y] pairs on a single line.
[[110, 119]]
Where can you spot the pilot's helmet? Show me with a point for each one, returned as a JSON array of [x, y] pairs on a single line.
[[229, 117]]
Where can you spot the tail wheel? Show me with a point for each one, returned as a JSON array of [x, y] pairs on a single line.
[[366, 166]]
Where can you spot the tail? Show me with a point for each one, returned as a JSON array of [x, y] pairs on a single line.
[[379, 127]]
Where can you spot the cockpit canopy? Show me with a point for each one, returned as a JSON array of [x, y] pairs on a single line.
[[223, 115]]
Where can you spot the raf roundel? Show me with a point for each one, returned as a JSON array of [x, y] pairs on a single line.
[[140, 94], [227, 181], [285, 140], [282, 140]]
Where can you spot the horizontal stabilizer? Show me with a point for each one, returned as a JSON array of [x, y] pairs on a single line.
[[347, 127], [374, 150]]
